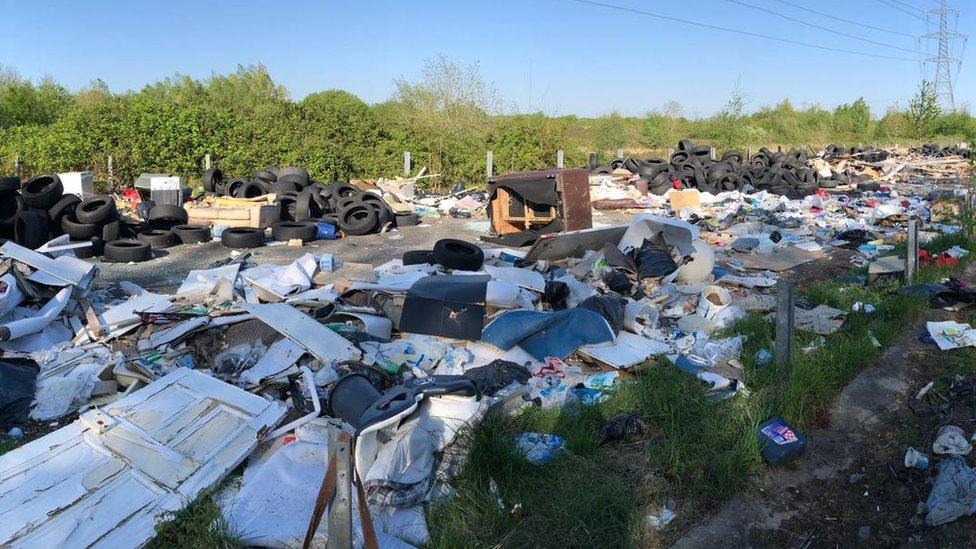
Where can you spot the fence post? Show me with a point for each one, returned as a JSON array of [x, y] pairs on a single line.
[[783, 348], [489, 164], [206, 161], [406, 163], [711, 153], [111, 172], [620, 153], [340, 512], [911, 253], [17, 165], [559, 158]]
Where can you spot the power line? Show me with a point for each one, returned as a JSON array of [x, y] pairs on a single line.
[[826, 29], [907, 5], [842, 20], [737, 31], [901, 9]]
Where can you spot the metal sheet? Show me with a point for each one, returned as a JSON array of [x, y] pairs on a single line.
[[320, 341], [556, 246]]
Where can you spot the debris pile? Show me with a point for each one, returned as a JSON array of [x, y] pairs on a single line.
[[273, 370]]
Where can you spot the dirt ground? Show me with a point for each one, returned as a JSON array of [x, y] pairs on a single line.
[[850, 488], [170, 266]]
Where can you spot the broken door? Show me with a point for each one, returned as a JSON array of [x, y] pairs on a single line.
[[107, 478]]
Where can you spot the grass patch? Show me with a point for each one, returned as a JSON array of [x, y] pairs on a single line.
[[575, 500], [698, 451], [199, 524]]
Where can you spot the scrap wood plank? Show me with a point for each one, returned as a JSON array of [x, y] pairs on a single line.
[[107, 478]]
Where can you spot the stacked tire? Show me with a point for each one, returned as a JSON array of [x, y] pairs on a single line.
[[692, 167], [94, 219], [352, 210]]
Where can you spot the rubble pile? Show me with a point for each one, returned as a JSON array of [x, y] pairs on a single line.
[[406, 353], [267, 370]]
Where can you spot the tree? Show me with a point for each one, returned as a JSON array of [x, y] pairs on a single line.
[[852, 120], [923, 111], [445, 117], [610, 132], [730, 125]]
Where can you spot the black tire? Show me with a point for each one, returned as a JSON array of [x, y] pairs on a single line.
[[303, 206], [124, 251], [284, 185], [220, 188], [418, 257], [344, 202], [110, 231], [242, 237], [31, 229], [284, 231], [252, 189], [43, 191], [407, 220], [95, 210], [286, 203], [266, 176], [63, 207], [234, 185], [96, 249], [358, 218], [382, 208], [342, 190], [685, 145], [296, 178], [332, 219], [210, 179], [10, 204], [158, 239], [191, 234], [77, 230], [458, 254], [166, 216], [293, 172], [9, 184]]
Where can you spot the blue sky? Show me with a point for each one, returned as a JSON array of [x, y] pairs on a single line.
[[583, 59]]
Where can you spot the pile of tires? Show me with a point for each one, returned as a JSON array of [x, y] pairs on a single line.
[[692, 167], [935, 151], [33, 213], [867, 154], [269, 180]]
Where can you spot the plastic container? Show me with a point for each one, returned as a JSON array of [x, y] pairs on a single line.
[[780, 444], [916, 460], [325, 231]]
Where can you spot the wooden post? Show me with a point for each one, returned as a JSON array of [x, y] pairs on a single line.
[[620, 153], [748, 157], [559, 158], [911, 253], [489, 164], [340, 512], [711, 153], [406, 164], [17, 165], [111, 173], [206, 161], [783, 348]]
